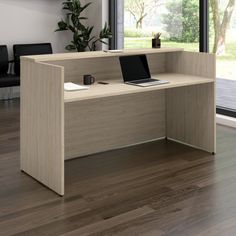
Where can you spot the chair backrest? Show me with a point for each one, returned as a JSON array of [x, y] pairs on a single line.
[[29, 50], [3, 60]]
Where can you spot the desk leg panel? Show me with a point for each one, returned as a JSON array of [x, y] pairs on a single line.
[[98, 125], [191, 116], [42, 124]]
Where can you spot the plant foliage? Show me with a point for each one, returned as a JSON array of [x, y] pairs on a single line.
[[82, 35], [182, 20]]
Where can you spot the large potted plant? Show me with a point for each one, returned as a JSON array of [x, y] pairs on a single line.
[[83, 39]]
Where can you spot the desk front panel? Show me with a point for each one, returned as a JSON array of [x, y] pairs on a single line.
[[106, 68], [98, 125]]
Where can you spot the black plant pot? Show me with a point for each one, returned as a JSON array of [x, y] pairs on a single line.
[[156, 43]]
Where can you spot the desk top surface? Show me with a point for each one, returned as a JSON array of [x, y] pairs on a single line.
[[117, 87], [97, 54]]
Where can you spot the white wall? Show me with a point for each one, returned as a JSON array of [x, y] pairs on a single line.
[[31, 21], [34, 21]]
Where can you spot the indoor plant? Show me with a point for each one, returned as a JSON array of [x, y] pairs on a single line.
[[82, 35]]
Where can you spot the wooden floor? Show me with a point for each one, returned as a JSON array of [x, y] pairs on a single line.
[[160, 188], [226, 93]]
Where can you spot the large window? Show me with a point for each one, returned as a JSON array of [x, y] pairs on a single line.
[[177, 20], [208, 25]]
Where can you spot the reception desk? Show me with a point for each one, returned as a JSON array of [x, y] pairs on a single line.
[[57, 125]]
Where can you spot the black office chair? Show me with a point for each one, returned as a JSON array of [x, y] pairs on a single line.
[[29, 50], [3, 60], [6, 80]]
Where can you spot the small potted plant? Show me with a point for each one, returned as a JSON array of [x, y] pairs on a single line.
[[156, 41]]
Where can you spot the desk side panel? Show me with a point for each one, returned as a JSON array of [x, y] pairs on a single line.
[[98, 125], [192, 63], [191, 116], [105, 68], [191, 111], [42, 123]]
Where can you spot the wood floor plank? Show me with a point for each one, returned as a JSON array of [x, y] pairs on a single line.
[[38, 216], [154, 189], [105, 224]]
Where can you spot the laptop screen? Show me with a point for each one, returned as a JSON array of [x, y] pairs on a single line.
[[134, 67]]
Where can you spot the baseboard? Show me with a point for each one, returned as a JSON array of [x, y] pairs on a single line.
[[9, 93], [226, 120]]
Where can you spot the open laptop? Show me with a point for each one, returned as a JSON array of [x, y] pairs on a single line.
[[136, 71]]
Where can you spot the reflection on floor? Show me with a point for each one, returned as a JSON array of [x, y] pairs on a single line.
[[226, 93]]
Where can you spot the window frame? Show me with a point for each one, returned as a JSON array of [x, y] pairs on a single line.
[[113, 8]]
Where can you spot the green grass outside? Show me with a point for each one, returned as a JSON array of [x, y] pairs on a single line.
[[145, 42]]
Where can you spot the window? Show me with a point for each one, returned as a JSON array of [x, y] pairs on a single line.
[[177, 20], [223, 43], [205, 25]]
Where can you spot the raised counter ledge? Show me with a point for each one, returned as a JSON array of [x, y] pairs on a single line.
[[97, 54]]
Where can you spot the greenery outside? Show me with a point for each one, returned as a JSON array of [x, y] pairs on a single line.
[[145, 42], [178, 21]]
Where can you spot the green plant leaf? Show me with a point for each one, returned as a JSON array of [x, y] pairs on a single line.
[[67, 5], [91, 39], [62, 25], [91, 29], [103, 42], [85, 6], [70, 47], [71, 28], [105, 32], [82, 18]]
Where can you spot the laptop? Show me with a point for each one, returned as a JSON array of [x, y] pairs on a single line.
[[136, 71]]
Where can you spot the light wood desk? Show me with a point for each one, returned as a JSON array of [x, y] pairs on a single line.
[[58, 126]]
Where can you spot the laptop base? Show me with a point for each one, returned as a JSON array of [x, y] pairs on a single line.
[[147, 83]]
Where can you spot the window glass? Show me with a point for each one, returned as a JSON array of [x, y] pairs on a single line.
[[176, 20]]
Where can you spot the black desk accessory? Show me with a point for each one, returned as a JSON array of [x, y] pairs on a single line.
[[104, 83], [89, 80]]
